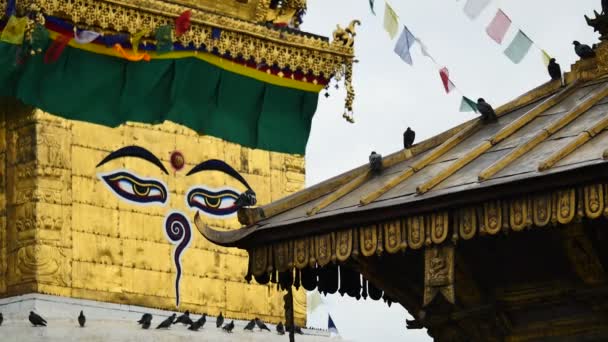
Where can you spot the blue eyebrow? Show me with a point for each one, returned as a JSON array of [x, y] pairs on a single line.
[[218, 165], [136, 152]]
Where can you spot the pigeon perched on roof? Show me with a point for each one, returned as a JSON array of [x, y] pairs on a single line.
[[81, 319], [219, 321], [261, 324], [280, 328], [167, 322], [487, 112], [555, 71], [36, 320], [184, 319], [583, 51], [375, 162], [408, 138], [250, 325], [246, 199], [228, 327]]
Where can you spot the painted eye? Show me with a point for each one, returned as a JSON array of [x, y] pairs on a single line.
[[135, 189], [213, 202]]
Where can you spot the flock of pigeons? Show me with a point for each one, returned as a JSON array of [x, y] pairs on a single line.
[[146, 321]]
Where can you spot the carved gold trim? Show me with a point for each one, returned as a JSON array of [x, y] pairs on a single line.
[[416, 232], [439, 228], [344, 245], [323, 249], [392, 236], [368, 240]]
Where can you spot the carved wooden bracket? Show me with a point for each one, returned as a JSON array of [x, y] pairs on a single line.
[[439, 273]]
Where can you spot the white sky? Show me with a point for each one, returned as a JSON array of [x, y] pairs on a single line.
[[391, 95]]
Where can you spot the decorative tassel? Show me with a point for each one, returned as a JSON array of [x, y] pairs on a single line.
[[131, 57], [136, 38], [40, 39], [182, 23], [56, 49], [10, 8]]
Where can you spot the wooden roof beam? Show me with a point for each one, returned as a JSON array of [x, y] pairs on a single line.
[[426, 160], [580, 140], [341, 192], [504, 133], [544, 133]]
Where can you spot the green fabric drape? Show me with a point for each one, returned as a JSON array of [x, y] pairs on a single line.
[[109, 91]]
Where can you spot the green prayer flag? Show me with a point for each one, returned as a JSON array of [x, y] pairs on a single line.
[[371, 6], [467, 105], [519, 47], [164, 39], [391, 21]]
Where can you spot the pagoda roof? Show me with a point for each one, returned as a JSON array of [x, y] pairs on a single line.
[[551, 138]]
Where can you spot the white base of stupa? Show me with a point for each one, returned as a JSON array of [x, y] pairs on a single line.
[[115, 322]]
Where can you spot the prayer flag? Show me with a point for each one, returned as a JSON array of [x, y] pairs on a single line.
[[371, 6], [519, 47], [467, 105], [14, 30], [182, 23], [391, 21], [499, 26], [164, 39], [10, 8], [424, 50], [56, 49], [405, 42], [331, 326], [136, 38], [85, 37], [546, 57], [445, 79], [473, 8]]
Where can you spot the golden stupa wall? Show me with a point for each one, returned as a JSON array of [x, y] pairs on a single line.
[[63, 232]]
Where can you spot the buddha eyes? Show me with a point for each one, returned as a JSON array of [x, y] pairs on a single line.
[[135, 189], [213, 202]]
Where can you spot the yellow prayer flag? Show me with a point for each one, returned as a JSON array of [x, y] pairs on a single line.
[[546, 57], [391, 21], [14, 30]]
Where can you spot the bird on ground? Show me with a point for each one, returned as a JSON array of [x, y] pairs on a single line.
[[202, 320], [36, 320], [219, 321], [487, 112], [167, 322], [375, 162], [246, 199], [583, 51], [280, 328], [81, 319], [1, 318], [196, 325], [408, 138], [145, 321], [261, 324], [555, 71], [250, 325], [228, 327], [184, 319]]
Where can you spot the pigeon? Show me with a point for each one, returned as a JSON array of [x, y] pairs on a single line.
[[555, 71], [184, 319], [604, 6], [583, 51], [196, 325], [375, 162], [228, 327], [146, 318], [1, 318], [146, 325], [280, 328], [166, 323], [250, 325], [81, 319], [246, 199], [298, 330], [36, 320], [261, 324], [487, 112], [408, 138], [202, 320], [219, 321]]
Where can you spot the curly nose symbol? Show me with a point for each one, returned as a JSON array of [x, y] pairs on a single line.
[[179, 233]]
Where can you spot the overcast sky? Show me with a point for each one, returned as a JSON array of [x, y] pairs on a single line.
[[392, 95]]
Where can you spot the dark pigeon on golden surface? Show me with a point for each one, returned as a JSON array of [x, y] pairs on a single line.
[[280, 328], [487, 112], [36, 320], [219, 321], [81, 319], [583, 51], [555, 71], [375, 162], [166, 323], [184, 319], [261, 324], [250, 325], [228, 327], [408, 138]]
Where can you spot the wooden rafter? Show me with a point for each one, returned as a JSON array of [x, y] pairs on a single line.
[[341, 192], [497, 138], [544, 133], [580, 140]]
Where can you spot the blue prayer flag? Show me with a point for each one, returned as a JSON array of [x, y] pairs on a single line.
[[331, 327], [404, 44]]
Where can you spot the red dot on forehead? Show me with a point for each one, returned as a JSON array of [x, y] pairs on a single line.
[[177, 160]]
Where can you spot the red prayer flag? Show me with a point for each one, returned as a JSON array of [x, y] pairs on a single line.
[[182, 23], [56, 49], [445, 79], [499, 26]]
